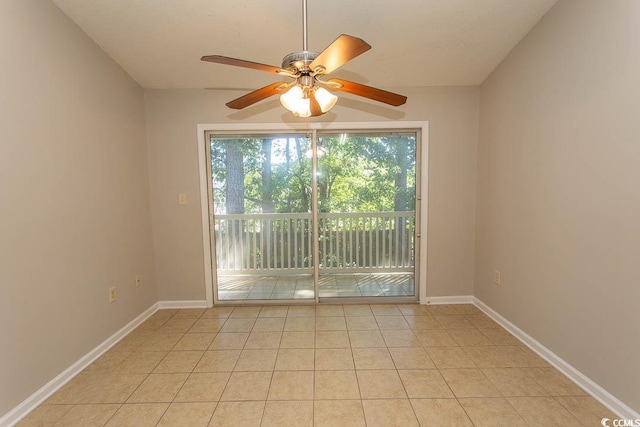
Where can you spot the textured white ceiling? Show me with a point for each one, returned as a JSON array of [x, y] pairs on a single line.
[[415, 42]]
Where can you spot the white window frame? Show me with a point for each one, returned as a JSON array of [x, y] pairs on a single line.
[[422, 196]]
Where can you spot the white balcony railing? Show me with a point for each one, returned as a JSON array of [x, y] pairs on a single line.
[[283, 243]]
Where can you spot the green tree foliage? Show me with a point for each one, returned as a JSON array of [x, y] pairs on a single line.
[[356, 173]]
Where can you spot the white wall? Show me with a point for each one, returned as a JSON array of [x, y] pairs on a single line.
[[558, 195], [172, 116], [74, 197]]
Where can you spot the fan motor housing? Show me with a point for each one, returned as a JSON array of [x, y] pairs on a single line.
[[299, 61]]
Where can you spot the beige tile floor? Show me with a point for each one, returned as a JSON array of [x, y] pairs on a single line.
[[327, 365]]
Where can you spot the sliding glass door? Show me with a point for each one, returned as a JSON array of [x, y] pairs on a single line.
[[300, 217], [262, 228], [366, 214]]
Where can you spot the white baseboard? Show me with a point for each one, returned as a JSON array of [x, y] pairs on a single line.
[[30, 403], [604, 397], [461, 299], [183, 304], [600, 394]]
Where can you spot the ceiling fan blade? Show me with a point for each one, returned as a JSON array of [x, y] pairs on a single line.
[[342, 50], [242, 63], [368, 92], [314, 107], [256, 96]]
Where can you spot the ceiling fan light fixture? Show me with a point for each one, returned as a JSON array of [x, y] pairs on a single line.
[[303, 96], [295, 101], [325, 99]]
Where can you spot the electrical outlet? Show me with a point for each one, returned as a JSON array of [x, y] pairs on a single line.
[[113, 294], [496, 277], [182, 199], [138, 280]]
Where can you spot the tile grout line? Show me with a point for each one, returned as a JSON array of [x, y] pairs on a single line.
[[415, 416], [514, 357], [230, 373], [182, 385], [266, 399], [192, 370], [147, 376]]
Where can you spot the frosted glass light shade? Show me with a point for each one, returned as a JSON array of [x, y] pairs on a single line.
[[294, 101], [325, 99]]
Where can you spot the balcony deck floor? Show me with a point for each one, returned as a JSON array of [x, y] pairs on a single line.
[[256, 287]]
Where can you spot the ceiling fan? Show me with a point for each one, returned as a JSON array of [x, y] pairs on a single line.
[[307, 94]]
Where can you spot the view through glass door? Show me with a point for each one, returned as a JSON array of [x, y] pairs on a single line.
[[262, 221], [279, 234], [366, 218]]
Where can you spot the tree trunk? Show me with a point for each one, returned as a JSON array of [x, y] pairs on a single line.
[[302, 230], [234, 193], [400, 199], [287, 158], [267, 204], [267, 185], [304, 197], [235, 179]]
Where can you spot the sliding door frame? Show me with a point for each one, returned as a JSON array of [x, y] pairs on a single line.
[[421, 209]]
